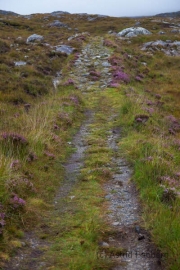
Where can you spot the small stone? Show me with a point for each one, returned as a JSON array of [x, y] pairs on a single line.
[[103, 244], [20, 63], [137, 229], [115, 223], [34, 37], [141, 237]]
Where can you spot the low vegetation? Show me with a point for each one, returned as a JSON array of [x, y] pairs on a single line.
[[38, 121]]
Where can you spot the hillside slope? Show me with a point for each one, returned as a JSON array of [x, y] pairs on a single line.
[[89, 142]]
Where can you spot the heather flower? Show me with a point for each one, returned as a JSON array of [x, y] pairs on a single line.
[[114, 85], [69, 82], [56, 127], [50, 155], [95, 73], [108, 43], [115, 60], [74, 99], [171, 119], [169, 180], [17, 202], [31, 157], [15, 164], [122, 76], [138, 78], [150, 110], [14, 137], [141, 118], [149, 103], [94, 78], [157, 96], [2, 222]]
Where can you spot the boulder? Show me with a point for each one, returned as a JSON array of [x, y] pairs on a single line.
[[34, 37], [20, 63], [64, 49], [168, 47], [58, 24], [175, 31], [56, 13], [133, 31]]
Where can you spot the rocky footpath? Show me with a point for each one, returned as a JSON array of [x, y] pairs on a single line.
[[92, 72]]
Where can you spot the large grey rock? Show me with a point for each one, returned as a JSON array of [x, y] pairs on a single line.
[[168, 47], [56, 13], [133, 31], [159, 43], [4, 12], [175, 31], [64, 49], [20, 63], [34, 37], [58, 24]]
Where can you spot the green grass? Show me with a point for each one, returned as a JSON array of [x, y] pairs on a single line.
[[34, 170]]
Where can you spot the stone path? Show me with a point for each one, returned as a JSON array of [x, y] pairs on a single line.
[[121, 194]]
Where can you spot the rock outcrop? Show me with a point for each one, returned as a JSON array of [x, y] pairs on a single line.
[[133, 32], [57, 23], [4, 12], [168, 47], [34, 37], [64, 49]]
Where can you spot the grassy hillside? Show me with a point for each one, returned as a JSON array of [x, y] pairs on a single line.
[[38, 120]]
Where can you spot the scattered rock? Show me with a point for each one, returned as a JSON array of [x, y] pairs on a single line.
[[64, 49], [133, 31], [56, 13], [141, 237], [175, 31], [168, 47], [4, 12], [34, 37], [80, 36], [57, 24], [20, 63], [137, 23], [162, 33], [137, 229], [103, 244], [141, 118]]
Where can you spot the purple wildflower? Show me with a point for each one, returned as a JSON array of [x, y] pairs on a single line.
[[158, 96], [50, 155], [74, 99], [2, 222], [17, 202], [114, 85], [149, 103], [14, 137], [150, 110], [115, 60], [95, 73], [14, 164], [169, 180], [122, 76], [69, 82], [138, 78], [171, 119], [56, 127], [141, 118]]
